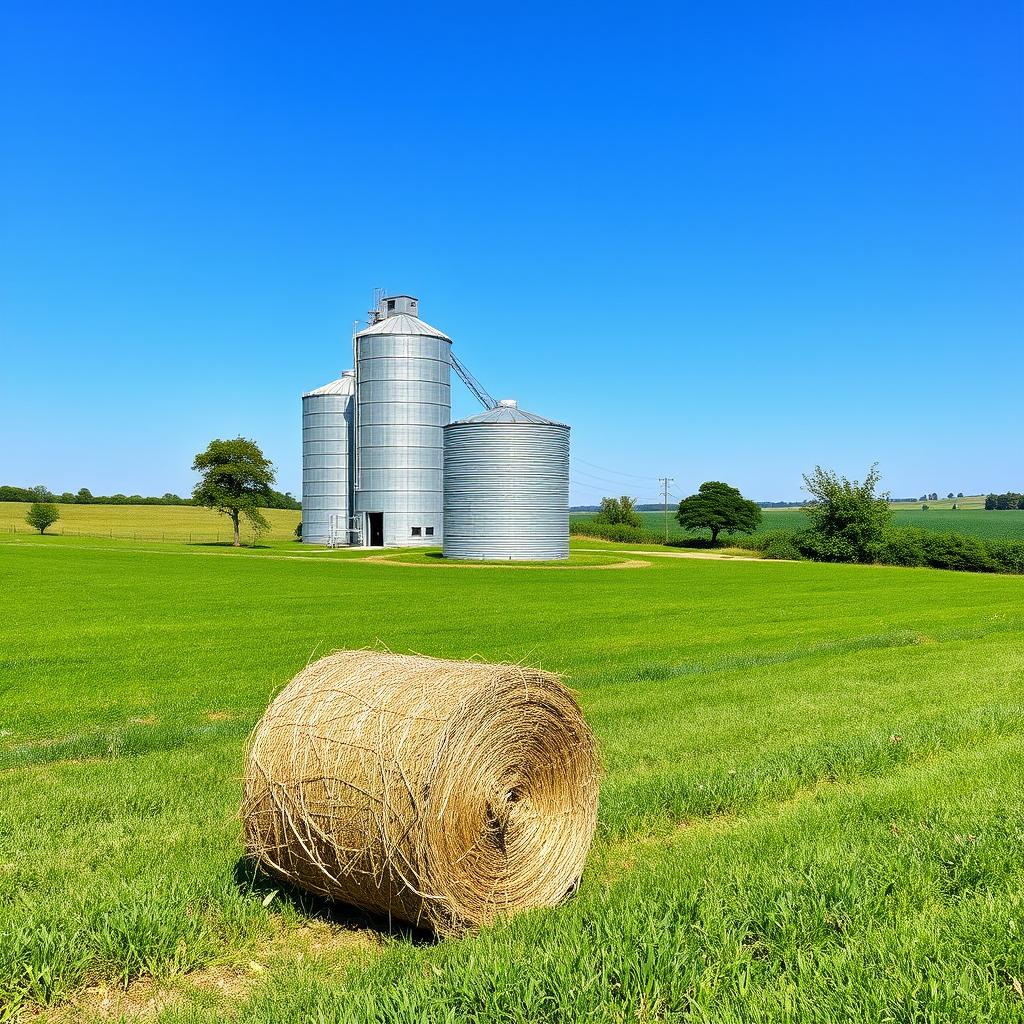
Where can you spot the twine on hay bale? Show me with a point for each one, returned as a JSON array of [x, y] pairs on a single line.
[[442, 793]]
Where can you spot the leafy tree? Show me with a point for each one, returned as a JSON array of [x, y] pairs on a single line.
[[84, 496], [717, 507], [236, 477], [619, 512], [1005, 502], [846, 519], [41, 515]]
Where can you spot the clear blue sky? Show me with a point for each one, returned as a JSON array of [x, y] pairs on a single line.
[[722, 240]]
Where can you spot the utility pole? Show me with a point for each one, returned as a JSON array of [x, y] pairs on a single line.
[[665, 481]]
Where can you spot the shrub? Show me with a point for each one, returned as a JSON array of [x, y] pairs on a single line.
[[845, 519], [957, 551], [900, 545], [1007, 554], [823, 547], [619, 512], [618, 533], [779, 544]]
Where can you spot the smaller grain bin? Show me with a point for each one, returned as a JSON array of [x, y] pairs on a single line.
[[326, 461], [506, 486]]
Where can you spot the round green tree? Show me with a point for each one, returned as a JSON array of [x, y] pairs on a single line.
[[41, 515], [718, 507], [236, 481]]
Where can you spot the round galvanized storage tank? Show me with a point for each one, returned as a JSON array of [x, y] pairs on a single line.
[[506, 486], [403, 401], [326, 461]]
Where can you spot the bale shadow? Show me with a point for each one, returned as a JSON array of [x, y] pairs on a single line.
[[255, 883]]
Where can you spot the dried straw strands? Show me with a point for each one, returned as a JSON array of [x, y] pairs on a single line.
[[440, 792]]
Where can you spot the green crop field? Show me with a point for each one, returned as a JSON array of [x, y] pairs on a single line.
[[146, 522], [811, 809], [977, 522]]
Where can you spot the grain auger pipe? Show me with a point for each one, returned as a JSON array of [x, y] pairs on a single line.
[[479, 391]]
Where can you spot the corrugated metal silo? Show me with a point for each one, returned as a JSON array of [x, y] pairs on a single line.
[[403, 401], [506, 486], [326, 461]]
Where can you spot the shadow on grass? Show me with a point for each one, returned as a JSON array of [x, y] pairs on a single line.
[[252, 881], [225, 544]]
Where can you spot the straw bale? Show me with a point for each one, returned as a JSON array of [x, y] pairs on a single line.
[[443, 793]]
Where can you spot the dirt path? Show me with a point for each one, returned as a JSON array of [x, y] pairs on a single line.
[[455, 564], [712, 555]]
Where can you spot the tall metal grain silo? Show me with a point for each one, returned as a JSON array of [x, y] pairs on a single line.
[[403, 401], [326, 461], [506, 486]]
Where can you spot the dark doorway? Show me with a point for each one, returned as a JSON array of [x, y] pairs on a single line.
[[376, 529]]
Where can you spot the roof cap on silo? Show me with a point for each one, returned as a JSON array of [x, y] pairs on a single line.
[[508, 411], [399, 314]]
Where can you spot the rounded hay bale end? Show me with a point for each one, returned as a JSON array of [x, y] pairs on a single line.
[[443, 793]]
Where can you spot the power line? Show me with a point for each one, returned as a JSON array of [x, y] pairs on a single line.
[[615, 472], [615, 484]]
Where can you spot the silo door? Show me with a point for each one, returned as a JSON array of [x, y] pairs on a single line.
[[376, 529]]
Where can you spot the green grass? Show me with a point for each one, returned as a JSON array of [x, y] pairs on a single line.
[[811, 808], [975, 522]]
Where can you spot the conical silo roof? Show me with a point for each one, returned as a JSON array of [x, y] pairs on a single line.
[[507, 411], [344, 385], [403, 323]]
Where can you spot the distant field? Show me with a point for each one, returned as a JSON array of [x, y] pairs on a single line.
[[976, 522], [971, 501], [146, 522]]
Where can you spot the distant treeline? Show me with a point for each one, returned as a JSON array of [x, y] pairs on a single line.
[[85, 497], [1004, 502]]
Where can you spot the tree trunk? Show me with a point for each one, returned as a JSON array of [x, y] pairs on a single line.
[[714, 535], [234, 522]]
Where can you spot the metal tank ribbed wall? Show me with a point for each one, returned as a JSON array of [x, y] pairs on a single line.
[[326, 461], [506, 487], [403, 401]]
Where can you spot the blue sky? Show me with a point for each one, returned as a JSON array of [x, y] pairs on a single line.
[[723, 241]]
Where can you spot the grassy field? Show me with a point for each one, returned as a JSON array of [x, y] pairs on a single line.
[[146, 522], [976, 522], [970, 501], [811, 810]]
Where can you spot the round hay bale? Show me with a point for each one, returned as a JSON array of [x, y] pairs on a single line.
[[442, 793]]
